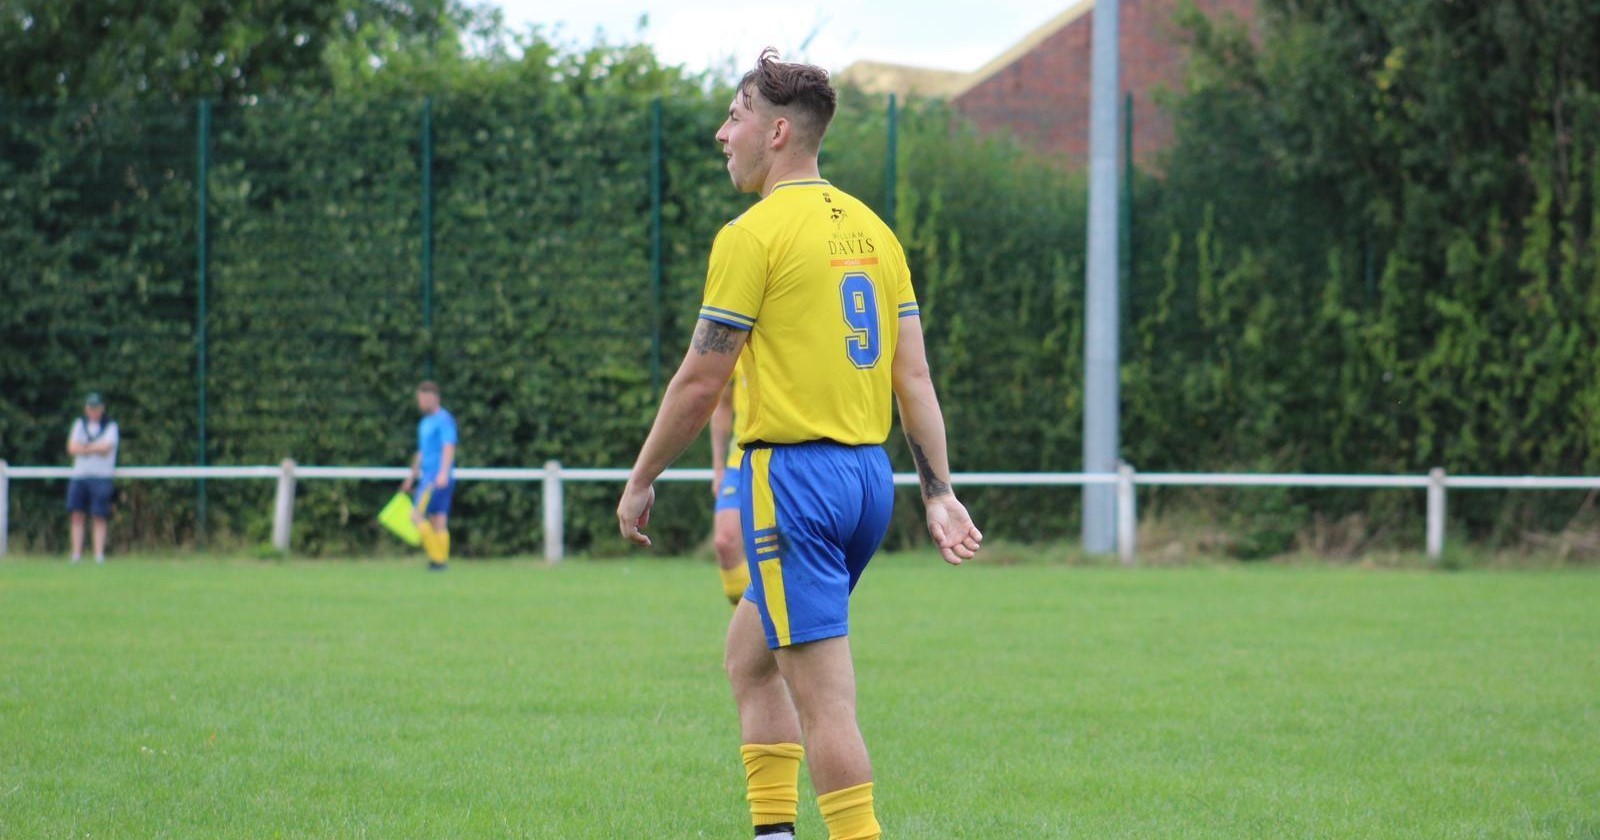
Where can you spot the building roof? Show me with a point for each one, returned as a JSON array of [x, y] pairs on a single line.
[[902, 79], [1028, 44]]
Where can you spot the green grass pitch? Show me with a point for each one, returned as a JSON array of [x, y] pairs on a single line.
[[162, 698]]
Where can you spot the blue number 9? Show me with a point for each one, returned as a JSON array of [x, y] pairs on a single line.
[[860, 303]]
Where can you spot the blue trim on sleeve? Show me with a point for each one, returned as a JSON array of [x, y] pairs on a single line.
[[727, 316]]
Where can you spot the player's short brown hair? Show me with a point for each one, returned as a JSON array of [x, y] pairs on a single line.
[[802, 88], [428, 386]]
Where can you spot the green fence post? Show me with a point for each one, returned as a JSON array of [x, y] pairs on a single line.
[[427, 231], [201, 350], [890, 161], [655, 249]]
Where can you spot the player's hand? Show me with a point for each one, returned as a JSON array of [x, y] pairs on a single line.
[[442, 481], [405, 486], [633, 512], [952, 529], [716, 479]]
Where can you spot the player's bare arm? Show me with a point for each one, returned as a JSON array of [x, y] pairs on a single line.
[[951, 527], [932, 484], [416, 469], [687, 405], [721, 432], [446, 461]]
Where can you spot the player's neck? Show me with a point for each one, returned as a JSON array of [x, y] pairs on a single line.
[[790, 170]]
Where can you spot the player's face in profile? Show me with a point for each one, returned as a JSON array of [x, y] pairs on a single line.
[[427, 402], [743, 138]]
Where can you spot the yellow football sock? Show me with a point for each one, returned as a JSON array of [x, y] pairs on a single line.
[[734, 582], [848, 813], [435, 543], [772, 772]]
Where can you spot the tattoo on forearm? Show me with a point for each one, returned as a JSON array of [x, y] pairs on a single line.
[[711, 337], [932, 485]]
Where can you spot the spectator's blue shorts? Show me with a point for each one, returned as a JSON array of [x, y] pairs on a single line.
[[91, 495]]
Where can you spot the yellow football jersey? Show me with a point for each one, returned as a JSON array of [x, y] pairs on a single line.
[[821, 284], [741, 409]]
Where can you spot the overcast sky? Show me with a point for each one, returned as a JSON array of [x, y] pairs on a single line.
[[833, 33]]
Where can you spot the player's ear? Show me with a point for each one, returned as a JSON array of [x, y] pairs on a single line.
[[782, 133]]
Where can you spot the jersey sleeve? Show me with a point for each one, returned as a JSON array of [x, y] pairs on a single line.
[[113, 434], [79, 433], [736, 281], [905, 296], [447, 432]]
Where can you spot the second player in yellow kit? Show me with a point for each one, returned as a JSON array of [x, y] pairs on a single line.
[[727, 423]]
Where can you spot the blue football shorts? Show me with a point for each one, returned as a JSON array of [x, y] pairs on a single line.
[[728, 490], [812, 514], [438, 501]]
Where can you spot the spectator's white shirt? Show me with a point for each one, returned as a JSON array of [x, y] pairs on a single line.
[[94, 466]]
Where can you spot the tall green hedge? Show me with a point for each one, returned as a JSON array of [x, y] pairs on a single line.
[[1350, 261]]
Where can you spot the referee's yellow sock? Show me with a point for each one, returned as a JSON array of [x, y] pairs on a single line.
[[734, 582], [435, 543], [849, 815], [772, 773]]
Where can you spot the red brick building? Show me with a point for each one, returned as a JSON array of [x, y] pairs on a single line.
[[1039, 89]]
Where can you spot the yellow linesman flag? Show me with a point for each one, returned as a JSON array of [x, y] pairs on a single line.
[[396, 516]]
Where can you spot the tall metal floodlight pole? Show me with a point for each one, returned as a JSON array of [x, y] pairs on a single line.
[[1101, 398]]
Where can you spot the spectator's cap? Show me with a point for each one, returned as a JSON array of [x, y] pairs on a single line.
[[93, 400]]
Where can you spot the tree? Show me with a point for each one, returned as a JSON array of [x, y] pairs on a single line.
[[180, 50]]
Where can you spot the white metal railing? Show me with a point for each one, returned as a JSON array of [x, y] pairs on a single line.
[[553, 476]]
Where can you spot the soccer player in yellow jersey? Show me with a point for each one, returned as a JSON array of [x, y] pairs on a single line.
[[726, 424], [809, 291]]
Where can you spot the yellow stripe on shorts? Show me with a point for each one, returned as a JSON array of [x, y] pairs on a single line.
[[764, 515], [777, 607]]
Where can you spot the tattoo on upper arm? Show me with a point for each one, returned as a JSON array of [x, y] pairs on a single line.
[[932, 485], [712, 337]]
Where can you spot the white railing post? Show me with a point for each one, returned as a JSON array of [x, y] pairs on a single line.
[[1127, 515], [283, 511], [554, 538], [1435, 513], [5, 508]]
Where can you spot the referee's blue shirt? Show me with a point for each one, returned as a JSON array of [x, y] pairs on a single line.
[[433, 433]]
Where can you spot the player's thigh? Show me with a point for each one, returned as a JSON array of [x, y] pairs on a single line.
[[728, 537], [820, 674], [747, 657]]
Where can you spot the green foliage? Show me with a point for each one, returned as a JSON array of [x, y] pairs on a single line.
[[179, 50], [97, 224], [1379, 222], [1357, 257]]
